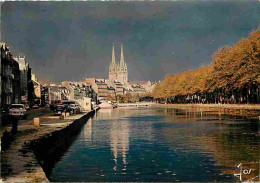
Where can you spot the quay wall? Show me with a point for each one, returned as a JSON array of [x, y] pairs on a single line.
[[50, 148], [233, 106], [249, 111]]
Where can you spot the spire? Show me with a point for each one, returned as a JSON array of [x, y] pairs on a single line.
[[113, 56], [122, 60]]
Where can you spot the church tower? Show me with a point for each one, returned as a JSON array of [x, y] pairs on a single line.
[[123, 68], [118, 72], [113, 66]]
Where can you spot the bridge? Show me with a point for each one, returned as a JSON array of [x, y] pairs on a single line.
[[137, 104]]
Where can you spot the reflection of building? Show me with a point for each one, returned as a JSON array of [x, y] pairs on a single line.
[[118, 135], [119, 141], [88, 134]]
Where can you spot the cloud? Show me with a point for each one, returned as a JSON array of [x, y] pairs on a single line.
[[67, 40]]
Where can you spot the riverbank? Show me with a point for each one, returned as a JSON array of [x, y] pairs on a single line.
[[19, 162], [250, 111]]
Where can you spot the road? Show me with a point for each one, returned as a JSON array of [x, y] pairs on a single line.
[[32, 113]]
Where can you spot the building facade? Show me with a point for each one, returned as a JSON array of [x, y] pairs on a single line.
[[45, 92], [79, 90], [37, 89], [10, 77], [27, 85], [118, 72], [101, 88]]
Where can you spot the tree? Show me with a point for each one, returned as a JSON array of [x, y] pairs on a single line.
[[234, 70]]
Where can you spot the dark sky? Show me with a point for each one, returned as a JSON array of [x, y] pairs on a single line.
[[70, 40]]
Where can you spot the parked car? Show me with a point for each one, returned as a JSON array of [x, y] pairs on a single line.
[[59, 109], [68, 104], [75, 108], [17, 110]]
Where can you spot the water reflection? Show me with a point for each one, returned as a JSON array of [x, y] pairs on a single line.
[[87, 131], [160, 144], [119, 141], [227, 140]]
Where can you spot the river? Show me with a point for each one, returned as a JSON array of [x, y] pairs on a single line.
[[161, 144]]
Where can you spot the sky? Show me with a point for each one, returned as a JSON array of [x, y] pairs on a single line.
[[73, 40]]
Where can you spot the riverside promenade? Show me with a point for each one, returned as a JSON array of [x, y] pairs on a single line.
[[251, 111], [19, 162]]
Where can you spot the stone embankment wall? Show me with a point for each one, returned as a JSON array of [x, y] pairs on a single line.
[[248, 111], [49, 149]]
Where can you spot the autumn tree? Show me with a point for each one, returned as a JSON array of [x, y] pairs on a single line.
[[235, 71]]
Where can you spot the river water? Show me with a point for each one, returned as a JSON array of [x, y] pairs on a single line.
[[161, 144]]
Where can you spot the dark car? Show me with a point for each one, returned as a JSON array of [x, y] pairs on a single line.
[[59, 109], [67, 105], [68, 108]]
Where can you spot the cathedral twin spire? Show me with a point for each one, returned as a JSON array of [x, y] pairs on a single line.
[[118, 71], [113, 56], [122, 60]]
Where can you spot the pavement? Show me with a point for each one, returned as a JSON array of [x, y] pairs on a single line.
[[5, 124], [18, 164]]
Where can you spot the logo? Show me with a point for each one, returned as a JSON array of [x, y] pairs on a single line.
[[248, 172]]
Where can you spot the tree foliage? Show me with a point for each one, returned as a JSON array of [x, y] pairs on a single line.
[[232, 69]]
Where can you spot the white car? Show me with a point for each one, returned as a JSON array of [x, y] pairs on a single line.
[[17, 110], [76, 108]]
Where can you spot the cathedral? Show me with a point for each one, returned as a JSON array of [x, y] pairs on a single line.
[[118, 72]]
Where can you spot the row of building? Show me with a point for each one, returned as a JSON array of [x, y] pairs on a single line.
[[109, 89], [20, 85], [117, 83], [66, 90], [16, 78], [95, 88]]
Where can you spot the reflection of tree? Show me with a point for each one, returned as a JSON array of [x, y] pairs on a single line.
[[240, 143], [237, 144], [230, 141]]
